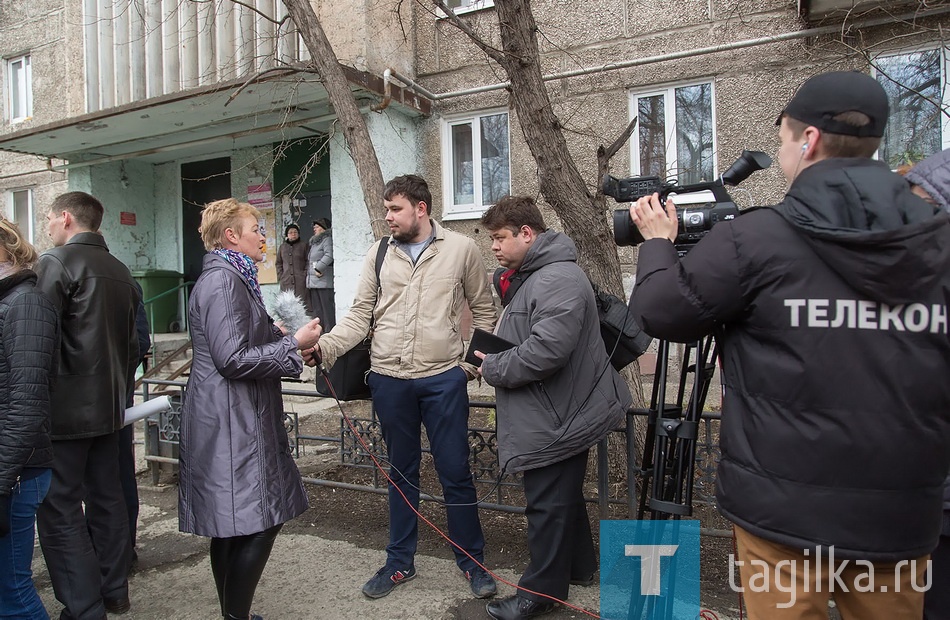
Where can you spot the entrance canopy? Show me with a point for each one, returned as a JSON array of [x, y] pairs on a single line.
[[282, 105]]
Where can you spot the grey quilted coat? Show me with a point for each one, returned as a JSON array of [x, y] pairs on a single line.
[[236, 475]]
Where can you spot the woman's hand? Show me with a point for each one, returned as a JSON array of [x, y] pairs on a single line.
[[308, 335]]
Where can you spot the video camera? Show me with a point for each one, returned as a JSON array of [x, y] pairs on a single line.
[[694, 222]]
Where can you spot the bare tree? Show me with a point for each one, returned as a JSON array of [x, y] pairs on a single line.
[[351, 120], [581, 212]]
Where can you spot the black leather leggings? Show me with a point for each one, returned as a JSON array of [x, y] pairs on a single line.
[[237, 564]]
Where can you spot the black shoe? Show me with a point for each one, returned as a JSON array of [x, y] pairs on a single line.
[[517, 608], [117, 606], [481, 582], [583, 581]]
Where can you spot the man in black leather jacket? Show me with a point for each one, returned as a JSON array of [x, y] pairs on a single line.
[[96, 299], [831, 313]]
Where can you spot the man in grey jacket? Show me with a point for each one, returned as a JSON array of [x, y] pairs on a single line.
[[557, 396], [96, 300]]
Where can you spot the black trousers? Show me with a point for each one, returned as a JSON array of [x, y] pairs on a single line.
[[130, 489], [237, 564], [559, 538], [86, 562], [322, 307], [937, 598]]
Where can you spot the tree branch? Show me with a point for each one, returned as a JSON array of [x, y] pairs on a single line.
[[493, 52], [260, 74], [279, 22]]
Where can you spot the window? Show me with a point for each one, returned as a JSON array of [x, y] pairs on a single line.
[[674, 136], [917, 95], [475, 162], [19, 89], [21, 211], [466, 6]]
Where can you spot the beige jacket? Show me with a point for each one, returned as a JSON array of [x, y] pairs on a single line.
[[419, 312]]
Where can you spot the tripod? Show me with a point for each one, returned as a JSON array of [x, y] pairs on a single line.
[[669, 452]]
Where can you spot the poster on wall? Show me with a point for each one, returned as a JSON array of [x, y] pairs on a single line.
[[260, 196]]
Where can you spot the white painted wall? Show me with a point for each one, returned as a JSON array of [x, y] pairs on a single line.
[[394, 136]]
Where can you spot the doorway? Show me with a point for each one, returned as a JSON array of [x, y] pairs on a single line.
[[201, 182]]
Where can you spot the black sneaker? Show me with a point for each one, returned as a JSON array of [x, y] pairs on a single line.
[[482, 583], [386, 579]]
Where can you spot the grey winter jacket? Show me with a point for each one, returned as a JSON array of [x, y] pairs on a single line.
[[320, 259], [555, 399], [237, 475], [933, 174]]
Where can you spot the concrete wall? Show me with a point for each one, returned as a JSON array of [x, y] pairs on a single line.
[[750, 85], [45, 29], [395, 139], [369, 36]]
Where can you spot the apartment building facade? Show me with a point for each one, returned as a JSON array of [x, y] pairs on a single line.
[[157, 106]]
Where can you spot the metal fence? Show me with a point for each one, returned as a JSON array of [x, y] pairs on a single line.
[[358, 445]]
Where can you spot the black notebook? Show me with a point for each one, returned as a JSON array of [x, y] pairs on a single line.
[[486, 342]]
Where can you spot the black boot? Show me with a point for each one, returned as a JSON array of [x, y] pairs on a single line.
[[517, 608]]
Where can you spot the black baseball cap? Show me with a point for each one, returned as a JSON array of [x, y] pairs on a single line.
[[826, 95]]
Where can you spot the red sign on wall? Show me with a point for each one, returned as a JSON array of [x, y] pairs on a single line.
[[127, 218]]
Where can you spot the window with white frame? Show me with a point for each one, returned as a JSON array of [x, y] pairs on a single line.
[[464, 6], [476, 163], [917, 92], [674, 136], [21, 211], [19, 89]]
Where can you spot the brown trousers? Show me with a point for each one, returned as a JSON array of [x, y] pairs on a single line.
[[783, 583]]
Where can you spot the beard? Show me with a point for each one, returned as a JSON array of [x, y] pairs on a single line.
[[408, 235]]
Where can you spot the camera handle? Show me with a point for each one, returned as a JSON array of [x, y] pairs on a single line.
[[669, 453]]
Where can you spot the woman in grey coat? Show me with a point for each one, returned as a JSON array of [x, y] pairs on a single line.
[[237, 480], [320, 276]]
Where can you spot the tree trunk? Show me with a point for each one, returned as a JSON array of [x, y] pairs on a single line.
[[562, 185], [351, 120]]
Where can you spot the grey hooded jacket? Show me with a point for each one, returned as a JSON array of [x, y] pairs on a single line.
[[933, 174], [237, 475], [555, 399]]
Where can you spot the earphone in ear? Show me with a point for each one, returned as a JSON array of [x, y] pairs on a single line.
[[805, 147]]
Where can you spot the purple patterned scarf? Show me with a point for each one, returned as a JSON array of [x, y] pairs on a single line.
[[245, 266]]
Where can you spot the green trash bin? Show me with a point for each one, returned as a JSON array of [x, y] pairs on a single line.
[[163, 313]]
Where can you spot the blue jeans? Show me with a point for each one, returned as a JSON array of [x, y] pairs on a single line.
[[18, 597], [441, 404]]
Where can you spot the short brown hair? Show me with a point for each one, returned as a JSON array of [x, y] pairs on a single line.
[[840, 145], [22, 254], [413, 187], [85, 209], [513, 212], [220, 215]]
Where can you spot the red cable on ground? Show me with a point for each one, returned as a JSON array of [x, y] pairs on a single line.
[[704, 614]]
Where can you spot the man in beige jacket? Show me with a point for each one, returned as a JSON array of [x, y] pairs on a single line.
[[418, 376]]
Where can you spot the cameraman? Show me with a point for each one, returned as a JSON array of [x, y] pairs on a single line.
[[831, 312]]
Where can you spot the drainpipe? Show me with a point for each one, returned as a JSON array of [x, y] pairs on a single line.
[[387, 92], [712, 49]]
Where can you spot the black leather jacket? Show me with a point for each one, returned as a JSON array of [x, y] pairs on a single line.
[[96, 299], [29, 333]]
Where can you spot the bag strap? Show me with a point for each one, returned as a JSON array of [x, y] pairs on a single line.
[[380, 257]]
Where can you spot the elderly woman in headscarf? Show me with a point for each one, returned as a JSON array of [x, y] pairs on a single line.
[[292, 264], [238, 483]]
